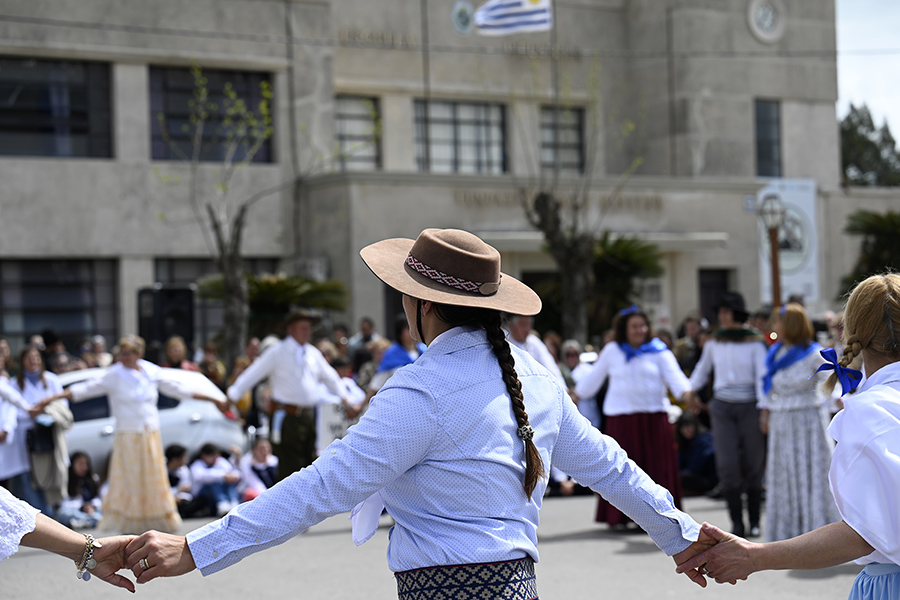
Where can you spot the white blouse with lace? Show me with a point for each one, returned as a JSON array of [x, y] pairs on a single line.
[[17, 518]]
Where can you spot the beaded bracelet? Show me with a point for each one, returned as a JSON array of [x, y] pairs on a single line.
[[87, 559]]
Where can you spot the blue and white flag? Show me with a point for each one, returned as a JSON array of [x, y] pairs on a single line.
[[503, 17]]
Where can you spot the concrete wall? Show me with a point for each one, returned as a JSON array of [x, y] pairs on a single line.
[[671, 83], [131, 207]]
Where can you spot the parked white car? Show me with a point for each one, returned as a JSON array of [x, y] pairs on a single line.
[[186, 421]]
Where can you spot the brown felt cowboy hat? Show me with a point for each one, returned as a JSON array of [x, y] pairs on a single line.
[[450, 266]]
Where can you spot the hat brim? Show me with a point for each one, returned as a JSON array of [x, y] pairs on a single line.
[[387, 260]]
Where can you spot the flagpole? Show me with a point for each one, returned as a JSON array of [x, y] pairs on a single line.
[[554, 65], [426, 84]]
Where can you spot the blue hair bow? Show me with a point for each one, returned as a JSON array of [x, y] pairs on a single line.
[[630, 310], [844, 374]]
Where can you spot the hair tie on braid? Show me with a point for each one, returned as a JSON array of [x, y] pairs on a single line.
[[525, 432]]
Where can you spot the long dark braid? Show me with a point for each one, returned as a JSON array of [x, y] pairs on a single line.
[[491, 322]]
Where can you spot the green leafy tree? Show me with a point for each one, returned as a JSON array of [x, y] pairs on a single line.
[[270, 296], [240, 131], [564, 212], [868, 154], [619, 263], [880, 248]]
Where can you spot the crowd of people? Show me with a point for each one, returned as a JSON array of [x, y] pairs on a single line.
[[730, 410], [723, 410], [283, 390], [736, 411]]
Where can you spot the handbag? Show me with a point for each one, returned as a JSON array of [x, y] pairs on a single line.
[[39, 438]]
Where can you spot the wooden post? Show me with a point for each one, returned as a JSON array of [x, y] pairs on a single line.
[[776, 275]]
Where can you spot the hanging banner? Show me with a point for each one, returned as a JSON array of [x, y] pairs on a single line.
[[798, 251]]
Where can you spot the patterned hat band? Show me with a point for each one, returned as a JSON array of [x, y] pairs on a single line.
[[485, 289]]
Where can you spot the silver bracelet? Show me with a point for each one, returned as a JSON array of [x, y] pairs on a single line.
[[87, 559]]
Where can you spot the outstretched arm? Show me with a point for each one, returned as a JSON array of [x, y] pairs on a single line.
[[735, 558], [108, 552]]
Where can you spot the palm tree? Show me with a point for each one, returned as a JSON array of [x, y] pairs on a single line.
[[880, 248]]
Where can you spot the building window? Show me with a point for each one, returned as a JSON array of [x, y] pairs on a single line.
[[358, 132], [54, 108], [208, 313], [563, 140], [768, 138], [463, 137], [171, 98], [75, 298]]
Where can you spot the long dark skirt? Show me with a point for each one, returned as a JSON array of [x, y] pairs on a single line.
[[649, 440]]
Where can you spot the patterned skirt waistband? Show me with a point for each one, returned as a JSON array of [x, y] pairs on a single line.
[[510, 580]]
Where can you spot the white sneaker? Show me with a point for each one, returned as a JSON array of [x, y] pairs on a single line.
[[223, 507]]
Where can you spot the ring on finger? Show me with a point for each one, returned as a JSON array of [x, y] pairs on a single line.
[[144, 564]]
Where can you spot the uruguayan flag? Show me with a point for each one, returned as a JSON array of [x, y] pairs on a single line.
[[502, 17]]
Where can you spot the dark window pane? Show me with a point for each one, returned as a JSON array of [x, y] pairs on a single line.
[[356, 124], [768, 138], [462, 137], [63, 295], [92, 408], [171, 101], [166, 402], [562, 139], [54, 108]]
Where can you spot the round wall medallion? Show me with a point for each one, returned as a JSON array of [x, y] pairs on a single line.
[[463, 16], [767, 19]]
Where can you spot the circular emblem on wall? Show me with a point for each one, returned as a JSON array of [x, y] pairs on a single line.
[[793, 240], [463, 16], [767, 19]]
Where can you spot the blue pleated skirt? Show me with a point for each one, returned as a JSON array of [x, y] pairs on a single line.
[[877, 582]]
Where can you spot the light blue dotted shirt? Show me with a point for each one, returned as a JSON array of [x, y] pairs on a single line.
[[439, 440]]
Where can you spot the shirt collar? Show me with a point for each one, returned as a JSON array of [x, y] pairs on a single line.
[[293, 343], [883, 375]]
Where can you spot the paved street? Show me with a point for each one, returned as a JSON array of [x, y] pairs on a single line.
[[578, 560]]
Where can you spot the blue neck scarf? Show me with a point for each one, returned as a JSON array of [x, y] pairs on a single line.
[[32, 377], [794, 354], [652, 347], [844, 374], [397, 356]]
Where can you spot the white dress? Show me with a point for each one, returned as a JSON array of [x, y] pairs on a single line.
[[799, 453]]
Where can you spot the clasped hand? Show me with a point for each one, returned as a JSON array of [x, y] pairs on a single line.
[[716, 555]]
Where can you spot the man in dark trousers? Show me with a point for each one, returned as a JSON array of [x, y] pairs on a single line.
[[294, 368]]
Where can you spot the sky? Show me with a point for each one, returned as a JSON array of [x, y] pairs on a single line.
[[868, 42]]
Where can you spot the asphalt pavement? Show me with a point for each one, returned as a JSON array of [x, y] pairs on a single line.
[[579, 559]]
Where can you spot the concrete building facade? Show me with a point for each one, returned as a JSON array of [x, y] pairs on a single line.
[[675, 114]]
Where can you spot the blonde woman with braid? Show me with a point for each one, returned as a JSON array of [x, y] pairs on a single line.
[[865, 470], [456, 446]]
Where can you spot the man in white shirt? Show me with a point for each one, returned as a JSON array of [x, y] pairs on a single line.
[[736, 361], [519, 334], [294, 368]]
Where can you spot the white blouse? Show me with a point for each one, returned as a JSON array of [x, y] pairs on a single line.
[[17, 518], [865, 467], [132, 393], [635, 386], [15, 457]]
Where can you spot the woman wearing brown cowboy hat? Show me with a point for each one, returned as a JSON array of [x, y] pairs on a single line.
[[456, 446]]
